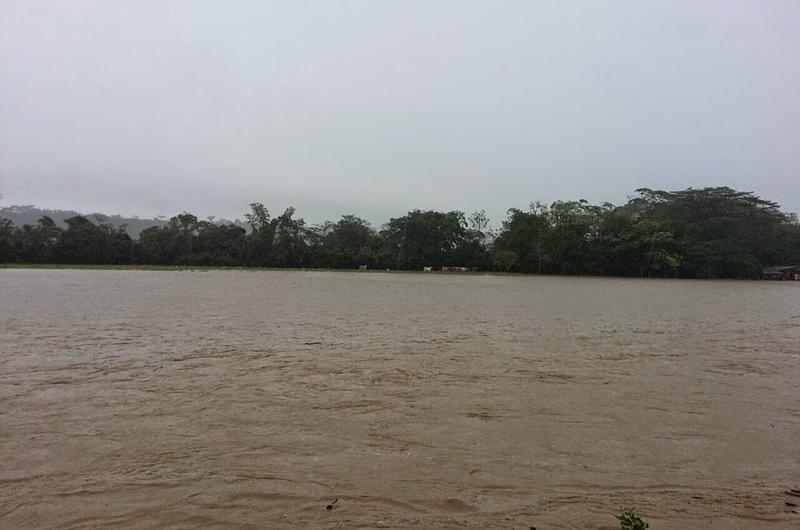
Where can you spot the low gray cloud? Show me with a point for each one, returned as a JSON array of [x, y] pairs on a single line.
[[154, 107]]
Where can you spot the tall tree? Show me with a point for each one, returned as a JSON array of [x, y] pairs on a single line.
[[425, 238]]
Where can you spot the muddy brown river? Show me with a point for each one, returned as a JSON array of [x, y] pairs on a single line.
[[252, 399]]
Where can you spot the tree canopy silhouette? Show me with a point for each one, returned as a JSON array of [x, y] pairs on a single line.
[[693, 233]]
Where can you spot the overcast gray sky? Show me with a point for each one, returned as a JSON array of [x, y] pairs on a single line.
[[376, 107]]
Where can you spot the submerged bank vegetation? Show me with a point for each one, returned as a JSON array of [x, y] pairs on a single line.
[[693, 233]]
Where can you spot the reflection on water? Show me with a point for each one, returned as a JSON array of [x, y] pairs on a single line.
[[235, 399]]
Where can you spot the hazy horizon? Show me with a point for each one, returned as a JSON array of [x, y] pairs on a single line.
[[151, 108], [274, 210]]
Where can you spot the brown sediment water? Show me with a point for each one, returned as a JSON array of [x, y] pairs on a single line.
[[253, 399]]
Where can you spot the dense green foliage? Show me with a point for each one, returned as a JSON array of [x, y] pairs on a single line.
[[694, 233], [628, 520]]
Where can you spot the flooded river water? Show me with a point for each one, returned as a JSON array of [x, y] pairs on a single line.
[[252, 399]]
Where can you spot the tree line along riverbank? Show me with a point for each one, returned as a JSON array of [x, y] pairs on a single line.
[[692, 233]]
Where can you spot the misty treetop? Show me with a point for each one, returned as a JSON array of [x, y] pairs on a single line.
[[693, 233]]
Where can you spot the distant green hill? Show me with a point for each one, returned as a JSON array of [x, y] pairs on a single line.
[[30, 215]]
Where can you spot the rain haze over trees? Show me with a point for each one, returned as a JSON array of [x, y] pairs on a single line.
[[693, 233]]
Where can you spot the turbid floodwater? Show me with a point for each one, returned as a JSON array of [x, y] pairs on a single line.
[[252, 399]]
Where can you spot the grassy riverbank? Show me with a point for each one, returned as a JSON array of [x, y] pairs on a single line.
[[218, 268]]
